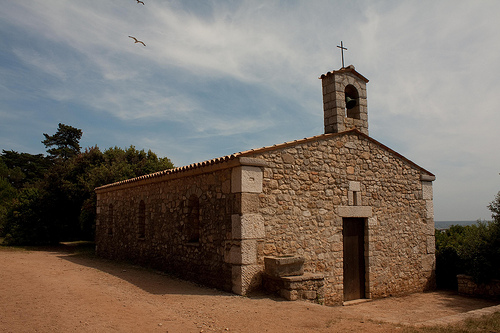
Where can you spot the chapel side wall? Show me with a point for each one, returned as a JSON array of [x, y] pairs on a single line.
[[303, 188], [165, 243]]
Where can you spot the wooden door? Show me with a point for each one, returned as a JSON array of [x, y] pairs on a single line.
[[354, 258]]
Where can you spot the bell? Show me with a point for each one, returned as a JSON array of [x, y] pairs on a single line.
[[349, 102]]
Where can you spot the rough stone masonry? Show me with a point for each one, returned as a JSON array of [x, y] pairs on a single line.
[[216, 221]]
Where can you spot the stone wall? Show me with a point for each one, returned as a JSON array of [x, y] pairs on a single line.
[[308, 287], [215, 223], [198, 222], [173, 209], [467, 286], [247, 232], [309, 186]]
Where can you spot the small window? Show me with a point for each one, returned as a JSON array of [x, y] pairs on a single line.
[[193, 220], [110, 220], [141, 228], [355, 198], [354, 194]]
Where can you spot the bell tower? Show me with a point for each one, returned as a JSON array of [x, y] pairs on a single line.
[[344, 100]]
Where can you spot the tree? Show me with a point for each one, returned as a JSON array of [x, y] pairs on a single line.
[[114, 164], [26, 222], [23, 169], [61, 204], [66, 142], [18, 171], [494, 207], [8, 194]]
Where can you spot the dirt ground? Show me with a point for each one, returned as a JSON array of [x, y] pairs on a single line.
[[61, 291]]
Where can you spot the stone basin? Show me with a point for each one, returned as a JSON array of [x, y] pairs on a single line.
[[280, 266]]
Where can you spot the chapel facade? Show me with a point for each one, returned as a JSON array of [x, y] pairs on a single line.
[[330, 218]]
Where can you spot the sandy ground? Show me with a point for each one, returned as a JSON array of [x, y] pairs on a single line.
[[59, 291]]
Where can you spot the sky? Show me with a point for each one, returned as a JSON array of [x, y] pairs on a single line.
[[220, 77]]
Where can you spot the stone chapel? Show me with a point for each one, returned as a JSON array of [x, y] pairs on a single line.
[[331, 218]]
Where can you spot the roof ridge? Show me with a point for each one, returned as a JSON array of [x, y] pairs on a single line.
[[233, 156], [349, 69]]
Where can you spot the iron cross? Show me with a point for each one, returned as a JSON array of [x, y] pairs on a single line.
[[342, 48]]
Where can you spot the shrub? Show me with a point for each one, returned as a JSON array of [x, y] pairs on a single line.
[[26, 223], [472, 250]]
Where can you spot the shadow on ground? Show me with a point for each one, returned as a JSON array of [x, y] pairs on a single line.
[[410, 309], [149, 280]]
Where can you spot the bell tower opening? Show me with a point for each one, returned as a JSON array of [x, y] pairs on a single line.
[[344, 100], [351, 102]]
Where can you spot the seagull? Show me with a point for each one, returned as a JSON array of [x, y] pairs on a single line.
[[137, 41], [139, 1]]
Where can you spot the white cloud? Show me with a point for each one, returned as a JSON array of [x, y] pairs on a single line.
[[216, 69], [435, 65], [35, 59]]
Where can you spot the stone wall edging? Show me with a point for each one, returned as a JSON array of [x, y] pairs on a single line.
[[467, 286]]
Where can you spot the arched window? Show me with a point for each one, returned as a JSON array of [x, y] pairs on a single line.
[[110, 220], [352, 102], [193, 220], [141, 227]]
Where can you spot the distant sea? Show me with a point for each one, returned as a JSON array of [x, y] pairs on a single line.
[[447, 224]]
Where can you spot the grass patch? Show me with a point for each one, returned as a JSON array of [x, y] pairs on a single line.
[[77, 247], [8, 248], [485, 324], [80, 247], [5, 248]]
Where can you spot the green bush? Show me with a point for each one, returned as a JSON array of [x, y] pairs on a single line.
[[7, 196], [27, 222], [472, 250]]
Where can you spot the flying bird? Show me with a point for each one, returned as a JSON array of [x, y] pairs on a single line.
[[137, 41], [139, 1]]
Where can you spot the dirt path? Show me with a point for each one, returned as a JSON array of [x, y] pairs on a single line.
[[57, 291]]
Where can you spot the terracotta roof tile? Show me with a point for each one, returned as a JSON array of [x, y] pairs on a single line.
[[228, 158]]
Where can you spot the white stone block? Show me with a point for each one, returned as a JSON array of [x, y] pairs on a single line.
[[429, 205], [243, 254], [427, 190], [354, 211], [354, 186], [246, 179], [428, 263], [245, 278], [248, 226]]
